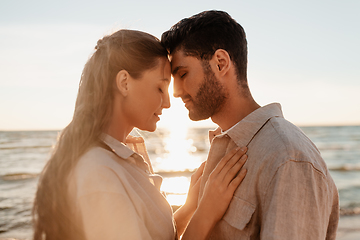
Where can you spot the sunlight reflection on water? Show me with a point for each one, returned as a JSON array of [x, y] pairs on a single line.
[[179, 148], [176, 189], [177, 159]]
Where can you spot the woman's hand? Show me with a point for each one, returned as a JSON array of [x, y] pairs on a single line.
[[218, 192], [222, 183], [184, 213], [193, 194]]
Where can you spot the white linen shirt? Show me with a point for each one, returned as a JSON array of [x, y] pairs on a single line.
[[116, 197]]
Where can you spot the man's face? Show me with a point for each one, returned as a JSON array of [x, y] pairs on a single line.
[[196, 84]]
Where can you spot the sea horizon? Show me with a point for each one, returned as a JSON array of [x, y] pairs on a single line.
[[189, 126]]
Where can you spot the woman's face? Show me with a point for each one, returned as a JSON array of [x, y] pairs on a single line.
[[148, 96]]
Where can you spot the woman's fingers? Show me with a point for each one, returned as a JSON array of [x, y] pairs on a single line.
[[197, 174], [232, 171], [222, 183], [234, 184], [193, 194], [224, 160], [229, 160]]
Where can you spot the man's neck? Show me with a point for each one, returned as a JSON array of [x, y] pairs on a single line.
[[234, 112]]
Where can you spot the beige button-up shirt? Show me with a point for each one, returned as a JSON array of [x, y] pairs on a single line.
[[287, 193], [116, 196]]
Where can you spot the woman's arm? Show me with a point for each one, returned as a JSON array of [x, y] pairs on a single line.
[[218, 192], [185, 212]]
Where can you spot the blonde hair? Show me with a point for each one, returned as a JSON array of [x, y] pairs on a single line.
[[133, 51]]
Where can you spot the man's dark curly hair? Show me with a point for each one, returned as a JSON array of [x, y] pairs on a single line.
[[202, 34]]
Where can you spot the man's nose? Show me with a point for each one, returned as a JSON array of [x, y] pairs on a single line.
[[178, 88]]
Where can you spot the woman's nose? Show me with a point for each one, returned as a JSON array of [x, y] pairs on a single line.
[[166, 101]]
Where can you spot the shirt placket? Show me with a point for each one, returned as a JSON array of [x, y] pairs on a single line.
[[219, 147]]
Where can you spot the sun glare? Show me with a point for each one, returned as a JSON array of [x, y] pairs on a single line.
[[179, 149], [176, 189]]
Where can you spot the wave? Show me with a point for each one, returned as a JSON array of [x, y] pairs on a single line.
[[24, 147], [18, 176], [349, 211], [344, 147], [345, 168], [186, 173]]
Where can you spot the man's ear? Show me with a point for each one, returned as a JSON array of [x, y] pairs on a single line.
[[122, 82], [222, 60]]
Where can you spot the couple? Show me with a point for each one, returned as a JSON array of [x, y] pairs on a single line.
[[99, 183]]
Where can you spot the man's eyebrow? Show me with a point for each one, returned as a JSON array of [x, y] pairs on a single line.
[[176, 69]]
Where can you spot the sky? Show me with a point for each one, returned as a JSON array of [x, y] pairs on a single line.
[[302, 54]]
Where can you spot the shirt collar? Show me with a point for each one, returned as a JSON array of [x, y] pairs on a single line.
[[244, 131], [117, 147], [226, 131]]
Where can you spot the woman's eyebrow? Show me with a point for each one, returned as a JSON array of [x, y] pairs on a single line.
[[165, 80]]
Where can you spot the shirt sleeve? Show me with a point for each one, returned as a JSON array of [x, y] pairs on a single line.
[[106, 210], [296, 203]]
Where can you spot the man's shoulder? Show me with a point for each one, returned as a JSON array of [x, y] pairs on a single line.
[[287, 142]]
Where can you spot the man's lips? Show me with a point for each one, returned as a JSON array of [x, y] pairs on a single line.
[[186, 101]]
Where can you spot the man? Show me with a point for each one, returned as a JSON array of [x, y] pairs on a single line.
[[288, 192]]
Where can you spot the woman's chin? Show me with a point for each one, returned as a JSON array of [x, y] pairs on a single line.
[[149, 128]]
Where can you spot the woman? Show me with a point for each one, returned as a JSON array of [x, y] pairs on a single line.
[[96, 187]]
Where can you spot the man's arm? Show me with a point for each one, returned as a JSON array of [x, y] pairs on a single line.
[[296, 204]]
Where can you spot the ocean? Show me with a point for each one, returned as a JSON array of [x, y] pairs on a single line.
[[174, 153]]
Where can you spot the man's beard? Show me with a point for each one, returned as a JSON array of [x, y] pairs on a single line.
[[210, 97]]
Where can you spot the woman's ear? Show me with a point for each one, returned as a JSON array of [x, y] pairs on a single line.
[[122, 82], [222, 60]]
